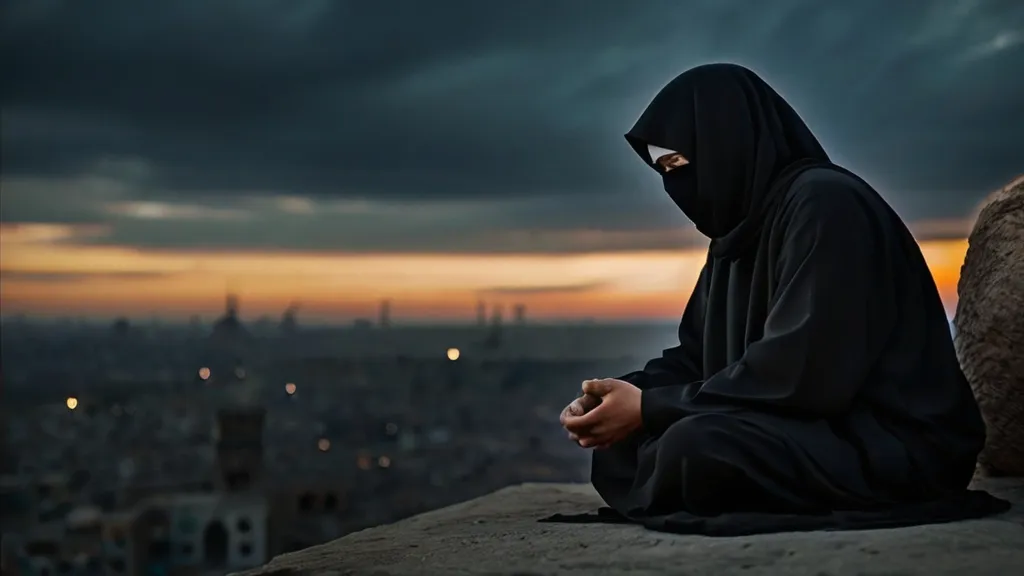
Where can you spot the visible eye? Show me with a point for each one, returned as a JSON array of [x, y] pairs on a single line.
[[670, 162]]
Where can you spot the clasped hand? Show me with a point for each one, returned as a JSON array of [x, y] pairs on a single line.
[[607, 412]]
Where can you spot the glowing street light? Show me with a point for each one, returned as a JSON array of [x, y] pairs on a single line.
[[324, 444], [71, 402], [204, 373], [289, 388], [453, 354]]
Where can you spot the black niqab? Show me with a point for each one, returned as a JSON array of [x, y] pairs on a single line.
[[739, 163], [815, 385]]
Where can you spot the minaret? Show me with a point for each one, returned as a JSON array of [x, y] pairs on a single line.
[[289, 323], [239, 441], [385, 314], [494, 335], [519, 314], [238, 434], [481, 314], [231, 306]]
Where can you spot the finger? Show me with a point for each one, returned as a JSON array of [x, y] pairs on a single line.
[[574, 408], [572, 428], [564, 415], [585, 384], [573, 424], [579, 428], [602, 435], [587, 421], [588, 402], [592, 441], [598, 387], [578, 439]]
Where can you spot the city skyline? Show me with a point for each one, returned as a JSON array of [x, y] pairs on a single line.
[[46, 277]]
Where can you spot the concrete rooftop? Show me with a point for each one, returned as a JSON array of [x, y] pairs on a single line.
[[498, 534]]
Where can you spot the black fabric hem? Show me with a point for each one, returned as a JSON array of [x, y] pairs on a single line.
[[970, 505]]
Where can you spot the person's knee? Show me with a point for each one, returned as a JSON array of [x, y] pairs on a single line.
[[710, 486], [707, 483], [694, 436]]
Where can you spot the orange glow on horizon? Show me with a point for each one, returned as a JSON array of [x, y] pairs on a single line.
[[45, 273]]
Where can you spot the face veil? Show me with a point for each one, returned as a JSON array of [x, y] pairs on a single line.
[[740, 137]]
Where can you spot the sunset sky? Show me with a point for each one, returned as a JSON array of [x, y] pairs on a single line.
[[158, 155]]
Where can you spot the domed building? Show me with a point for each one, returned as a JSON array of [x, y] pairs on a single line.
[[228, 361], [229, 330]]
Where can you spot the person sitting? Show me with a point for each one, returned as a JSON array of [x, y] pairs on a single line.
[[815, 384]]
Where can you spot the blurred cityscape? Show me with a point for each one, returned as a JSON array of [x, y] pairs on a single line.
[[158, 449]]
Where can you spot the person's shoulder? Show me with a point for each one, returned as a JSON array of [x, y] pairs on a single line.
[[827, 186], [829, 193]]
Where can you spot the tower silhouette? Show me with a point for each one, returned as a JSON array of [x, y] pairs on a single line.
[[481, 314], [240, 448], [519, 314]]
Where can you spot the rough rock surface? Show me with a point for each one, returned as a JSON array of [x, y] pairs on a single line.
[[499, 534], [989, 327]]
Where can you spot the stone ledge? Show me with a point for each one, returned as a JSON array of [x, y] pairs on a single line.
[[498, 534]]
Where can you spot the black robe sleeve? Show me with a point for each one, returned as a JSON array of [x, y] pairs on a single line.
[[682, 363], [824, 280]]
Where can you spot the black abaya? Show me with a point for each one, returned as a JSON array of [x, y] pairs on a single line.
[[815, 385]]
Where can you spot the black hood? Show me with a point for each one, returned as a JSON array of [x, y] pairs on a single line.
[[741, 138]]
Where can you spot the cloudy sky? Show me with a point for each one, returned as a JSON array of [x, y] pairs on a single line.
[[156, 154]]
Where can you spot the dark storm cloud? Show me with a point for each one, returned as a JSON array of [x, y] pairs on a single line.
[[512, 110]]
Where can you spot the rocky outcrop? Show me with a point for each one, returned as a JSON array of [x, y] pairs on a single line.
[[499, 534], [989, 326]]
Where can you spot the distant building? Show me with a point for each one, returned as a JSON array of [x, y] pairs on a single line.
[[519, 314], [494, 335], [19, 503], [8, 458], [481, 314], [289, 322], [229, 330], [195, 326], [229, 346], [169, 534], [263, 326], [384, 320], [229, 522], [239, 439], [120, 328], [215, 531]]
